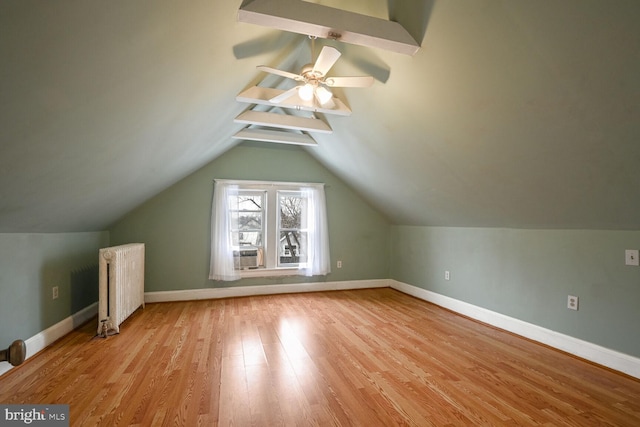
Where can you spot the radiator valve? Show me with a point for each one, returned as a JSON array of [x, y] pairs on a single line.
[[105, 331]]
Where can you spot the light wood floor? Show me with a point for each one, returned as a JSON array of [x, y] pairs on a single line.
[[367, 357]]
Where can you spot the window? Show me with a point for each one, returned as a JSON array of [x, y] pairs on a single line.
[[247, 213], [268, 229], [292, 237]]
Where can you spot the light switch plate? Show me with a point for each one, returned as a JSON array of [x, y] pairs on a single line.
[[631, 257]]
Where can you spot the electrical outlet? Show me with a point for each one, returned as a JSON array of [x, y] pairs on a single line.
[[572, 302], [339, 264], [55, 292], [447, 276]]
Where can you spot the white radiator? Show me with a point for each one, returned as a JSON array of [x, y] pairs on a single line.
[[121, 285]]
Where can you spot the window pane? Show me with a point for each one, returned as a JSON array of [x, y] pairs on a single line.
[[290, 211], [251, 202], [247, 211], [291, 239], [292, 247], [249, 220], [251, 238]]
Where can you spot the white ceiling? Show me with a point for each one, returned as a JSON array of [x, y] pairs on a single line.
[[512, 113]]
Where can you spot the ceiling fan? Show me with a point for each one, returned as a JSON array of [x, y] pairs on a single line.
[[313, 78]]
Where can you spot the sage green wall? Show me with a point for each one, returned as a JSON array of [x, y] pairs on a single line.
[[30, 265], [528, 274], [175, 224]]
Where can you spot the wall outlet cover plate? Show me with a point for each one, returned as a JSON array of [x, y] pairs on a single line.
[[631, 257]]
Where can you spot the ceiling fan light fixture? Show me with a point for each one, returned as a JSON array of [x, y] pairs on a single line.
[[312, 80], [323, 95], [306, 92]]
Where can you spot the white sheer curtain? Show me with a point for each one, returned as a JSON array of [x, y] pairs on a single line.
[[315, 217], [221, 266]]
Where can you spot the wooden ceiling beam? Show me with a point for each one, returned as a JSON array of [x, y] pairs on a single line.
[[328, 23], [277, 136], [262, 95], [283, 121]]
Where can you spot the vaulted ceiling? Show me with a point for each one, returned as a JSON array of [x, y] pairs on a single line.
[[511, 114]]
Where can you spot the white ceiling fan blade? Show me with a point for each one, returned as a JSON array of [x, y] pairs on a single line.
[[284, 95], [328, 56], [361, 81], [281, 73]]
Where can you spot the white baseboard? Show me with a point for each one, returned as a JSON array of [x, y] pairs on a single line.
[[612, 359], [42, 339], [615, 360], [243, 291]]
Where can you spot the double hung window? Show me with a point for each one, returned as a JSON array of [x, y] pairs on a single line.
[[268, 229], [247, 228], [292, 236]]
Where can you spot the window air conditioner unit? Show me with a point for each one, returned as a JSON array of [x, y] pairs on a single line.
[[245, 258]]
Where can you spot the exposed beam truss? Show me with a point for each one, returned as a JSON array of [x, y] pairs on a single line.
[[329, 23]]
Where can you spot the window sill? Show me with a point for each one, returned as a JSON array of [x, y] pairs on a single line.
[[269, 272]]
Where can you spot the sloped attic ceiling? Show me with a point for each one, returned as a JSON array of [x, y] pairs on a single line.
[[512, 113]]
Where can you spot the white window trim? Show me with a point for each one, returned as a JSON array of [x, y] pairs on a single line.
[[287, 185], [269, 272], [270, 185]]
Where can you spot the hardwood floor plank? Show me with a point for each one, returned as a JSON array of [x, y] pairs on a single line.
[[365, 357]]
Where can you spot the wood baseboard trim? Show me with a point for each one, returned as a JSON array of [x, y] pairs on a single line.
[[45, 338], [603, 356], [611, 359], [243, 291]]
